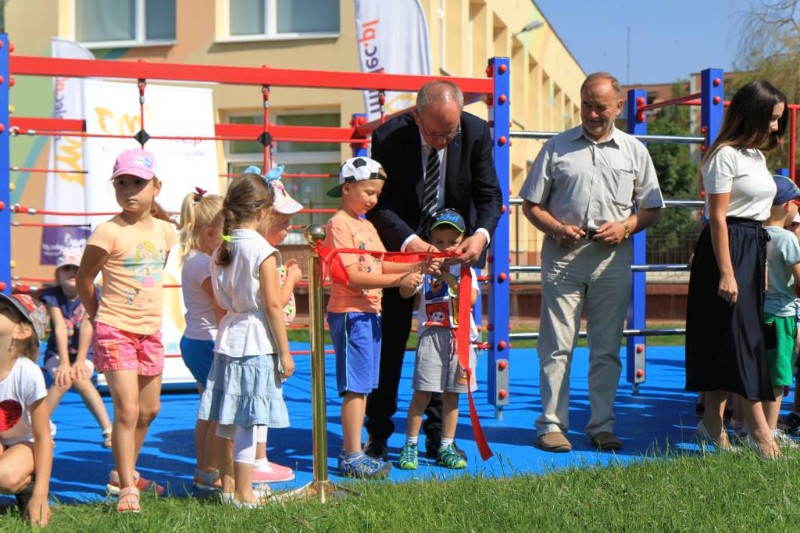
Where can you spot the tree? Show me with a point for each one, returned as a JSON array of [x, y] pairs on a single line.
[[769, 49], [672, 238]]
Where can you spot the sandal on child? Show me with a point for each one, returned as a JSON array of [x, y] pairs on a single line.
[[107, 438], [128, 500]]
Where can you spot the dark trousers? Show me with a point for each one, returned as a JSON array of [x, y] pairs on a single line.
[[382, 402]]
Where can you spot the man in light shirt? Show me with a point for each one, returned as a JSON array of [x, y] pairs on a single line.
[[581, 193]]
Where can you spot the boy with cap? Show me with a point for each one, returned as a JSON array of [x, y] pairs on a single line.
[[780, 325], [355, 305], [437, 368]]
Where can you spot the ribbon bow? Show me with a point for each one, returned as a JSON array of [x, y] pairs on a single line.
[[274, 173], [198, 195]]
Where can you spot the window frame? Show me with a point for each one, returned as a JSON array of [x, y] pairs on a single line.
[[140, 30], [271, 34]]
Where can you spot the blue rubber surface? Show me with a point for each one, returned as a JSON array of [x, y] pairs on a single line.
[[662, 413]]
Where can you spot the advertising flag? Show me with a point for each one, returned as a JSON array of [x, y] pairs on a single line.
[[392, 37]]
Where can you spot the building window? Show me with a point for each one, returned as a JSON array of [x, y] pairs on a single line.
[[124, 22], [282, 18], [299, 158]]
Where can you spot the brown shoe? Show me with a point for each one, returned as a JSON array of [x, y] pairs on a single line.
[[554, 441], [606, 441]]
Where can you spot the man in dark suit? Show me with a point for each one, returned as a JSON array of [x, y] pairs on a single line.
[[435, 157]]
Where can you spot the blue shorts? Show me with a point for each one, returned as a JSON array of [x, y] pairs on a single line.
[[357, 342], [198, 356]]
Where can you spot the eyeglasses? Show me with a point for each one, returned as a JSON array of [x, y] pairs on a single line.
[[448, 136]]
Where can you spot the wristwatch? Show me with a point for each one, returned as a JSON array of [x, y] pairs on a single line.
[[627, 229]]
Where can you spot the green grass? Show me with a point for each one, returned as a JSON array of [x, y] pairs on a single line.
[[671, 492]]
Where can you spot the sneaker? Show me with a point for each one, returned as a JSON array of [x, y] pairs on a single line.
[[791, 424], [364, 467], [450, 458], [783, 440], [272, 473], [206, 481], [144, 485], [376, 448], [432, 448], [408, 457]]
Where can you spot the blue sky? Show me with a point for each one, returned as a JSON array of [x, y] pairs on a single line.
[[669, 39]]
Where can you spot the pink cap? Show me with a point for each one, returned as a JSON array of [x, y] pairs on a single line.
[[284, 204], [135, 162], [69, 256]]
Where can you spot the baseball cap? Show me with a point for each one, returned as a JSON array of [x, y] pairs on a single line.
[[787, 190], [69, 256], [449, 217], [34, 313], [135, 162], [357, 169]]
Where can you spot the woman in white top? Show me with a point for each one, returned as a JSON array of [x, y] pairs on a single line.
[[725, 349]]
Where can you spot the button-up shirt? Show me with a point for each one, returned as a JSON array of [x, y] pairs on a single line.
[[585, 183]]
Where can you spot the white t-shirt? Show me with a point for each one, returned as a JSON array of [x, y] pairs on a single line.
[[243, 330], [201, 324], [743, 173], [438, 308], [21, 388]]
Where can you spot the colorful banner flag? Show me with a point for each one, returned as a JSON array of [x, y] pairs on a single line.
[[64, 184], [392, 37], [182, 165]]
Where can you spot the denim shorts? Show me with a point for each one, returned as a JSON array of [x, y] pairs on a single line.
[[357, 342]]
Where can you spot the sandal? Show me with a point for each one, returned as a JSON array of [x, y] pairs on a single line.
[[106, 438], [128, 500]]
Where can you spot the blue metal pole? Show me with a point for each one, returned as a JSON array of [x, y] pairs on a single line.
[[498, 312], [5, 172], [712, 96], [635, 357]]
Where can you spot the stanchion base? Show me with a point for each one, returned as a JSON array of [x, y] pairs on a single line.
[[322, 490]]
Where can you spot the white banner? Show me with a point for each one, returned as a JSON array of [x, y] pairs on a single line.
[[182, 165], [392, 37], [64, 189]]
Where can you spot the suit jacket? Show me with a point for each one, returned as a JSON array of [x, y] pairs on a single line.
[[471, 184]]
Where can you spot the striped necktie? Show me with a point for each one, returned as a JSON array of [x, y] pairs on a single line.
[[430, 192]]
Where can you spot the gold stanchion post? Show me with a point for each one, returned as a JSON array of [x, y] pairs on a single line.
[[321, 486]]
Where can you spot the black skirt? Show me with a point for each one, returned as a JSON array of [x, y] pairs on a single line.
[[725, 344]]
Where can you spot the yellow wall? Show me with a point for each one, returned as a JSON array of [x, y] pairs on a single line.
[[545, 76]]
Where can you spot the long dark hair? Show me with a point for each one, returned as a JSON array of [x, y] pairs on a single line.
[[746, 124], [246, 196]]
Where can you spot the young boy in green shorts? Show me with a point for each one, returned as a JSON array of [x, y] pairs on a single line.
[[780, 325]]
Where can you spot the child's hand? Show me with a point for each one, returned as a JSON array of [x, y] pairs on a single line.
[[80, 371], [38, 511], [287, 366], [433, 267], [410, 281], [293, 272], [63, 375]]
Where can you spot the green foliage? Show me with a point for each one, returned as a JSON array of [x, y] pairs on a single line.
[[769, 50], [671, 238]]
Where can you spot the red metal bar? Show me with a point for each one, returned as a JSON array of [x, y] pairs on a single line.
[[224, 132], [101, 68], [669, 102], [43, 225], [793, 142], [44, 170]]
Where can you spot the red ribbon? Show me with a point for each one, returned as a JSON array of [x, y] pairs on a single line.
[[462, 347], [338, 272]]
